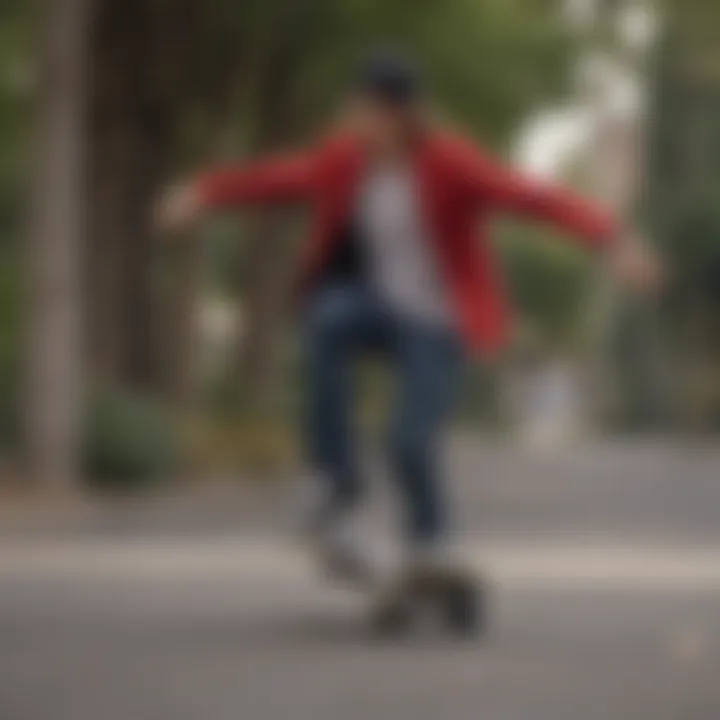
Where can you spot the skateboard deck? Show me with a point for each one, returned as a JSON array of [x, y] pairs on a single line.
[[455, 598], [401, 597]]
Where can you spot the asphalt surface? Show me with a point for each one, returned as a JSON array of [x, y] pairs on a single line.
[[604, 561]]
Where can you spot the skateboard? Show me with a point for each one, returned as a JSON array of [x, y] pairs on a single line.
[[401, 598], [454, 597]]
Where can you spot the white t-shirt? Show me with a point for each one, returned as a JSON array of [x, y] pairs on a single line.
[[403, 268]]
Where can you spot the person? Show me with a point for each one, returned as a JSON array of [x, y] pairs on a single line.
[[399, 264]]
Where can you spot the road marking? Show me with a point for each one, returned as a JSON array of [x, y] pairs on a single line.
[[513, 564]]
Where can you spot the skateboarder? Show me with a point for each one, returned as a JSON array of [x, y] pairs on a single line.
[[398, 263]]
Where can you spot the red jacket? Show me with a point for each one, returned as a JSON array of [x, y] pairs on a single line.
[[461, 190]]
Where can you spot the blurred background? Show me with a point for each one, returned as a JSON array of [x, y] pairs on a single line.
[[585, 459], [125, 359]]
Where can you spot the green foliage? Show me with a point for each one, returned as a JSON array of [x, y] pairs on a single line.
[[488, 62], [550, 280], [198, 71], [130, 442], [8, 411], [15, 94], [681, 205], [8, 347]]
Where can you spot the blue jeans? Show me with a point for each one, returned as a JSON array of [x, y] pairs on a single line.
[[344, 322]]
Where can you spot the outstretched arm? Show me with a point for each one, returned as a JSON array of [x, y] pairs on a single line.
[[274, 180], [280, 179], [497, 186], [510, 191]]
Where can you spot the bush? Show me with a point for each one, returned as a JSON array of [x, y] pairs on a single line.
[[130, 441]]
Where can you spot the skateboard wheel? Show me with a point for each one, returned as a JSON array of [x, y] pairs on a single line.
[[464, 607]]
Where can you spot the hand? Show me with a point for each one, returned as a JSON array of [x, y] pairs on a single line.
[[178, 208], [635, 264]]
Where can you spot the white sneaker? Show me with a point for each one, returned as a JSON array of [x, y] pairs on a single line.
[[334, 535], [342, 553]]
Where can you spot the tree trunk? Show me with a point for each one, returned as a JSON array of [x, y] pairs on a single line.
[[128, 150], [270, 276], [267, 265], [181, 356], [54, 363]]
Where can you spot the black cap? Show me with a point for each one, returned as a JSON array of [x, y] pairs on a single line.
[[390, 77]]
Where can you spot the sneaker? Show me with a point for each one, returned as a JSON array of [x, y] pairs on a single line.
[[342, 553], [333, 533]]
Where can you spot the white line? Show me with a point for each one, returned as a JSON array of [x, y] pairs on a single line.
[[524, 565]]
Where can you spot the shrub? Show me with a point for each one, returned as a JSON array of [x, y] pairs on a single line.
[[130, 442]]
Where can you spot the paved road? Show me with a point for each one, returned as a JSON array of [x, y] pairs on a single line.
[[605, 560]]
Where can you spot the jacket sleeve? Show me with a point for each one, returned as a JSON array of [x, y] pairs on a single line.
[[274, 180], [506, 190]]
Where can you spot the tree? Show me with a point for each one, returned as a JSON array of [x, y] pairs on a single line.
[[54, 362], [681, 201], [172, 77]]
